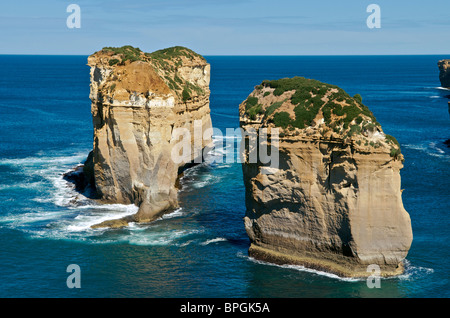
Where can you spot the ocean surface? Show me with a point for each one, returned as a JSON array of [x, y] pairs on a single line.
[[200, 250]]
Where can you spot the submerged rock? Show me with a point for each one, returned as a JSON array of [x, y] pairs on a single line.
[[138, 101], [82, 178], [334, 201]]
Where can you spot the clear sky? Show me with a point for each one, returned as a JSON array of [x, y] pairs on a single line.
[[227, 27]]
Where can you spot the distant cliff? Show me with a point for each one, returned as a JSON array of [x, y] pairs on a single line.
[[138, 100], [444, 73], [334, 203]]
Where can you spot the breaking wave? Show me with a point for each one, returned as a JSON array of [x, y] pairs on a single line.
[[215, 240], [432, 149], [56, 210], [411, 272]]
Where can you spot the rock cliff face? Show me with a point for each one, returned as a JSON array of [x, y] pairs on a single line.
[[444, 73], [138, 101], [444, 77], [334, 202]]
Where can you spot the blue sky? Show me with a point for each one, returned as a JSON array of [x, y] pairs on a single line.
[[227, 27]]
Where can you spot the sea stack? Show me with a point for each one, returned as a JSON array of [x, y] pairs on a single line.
[[138, 101], [444, 77], [444, 73], [334, 203]]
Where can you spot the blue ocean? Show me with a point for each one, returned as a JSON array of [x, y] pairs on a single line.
[[200, 250]]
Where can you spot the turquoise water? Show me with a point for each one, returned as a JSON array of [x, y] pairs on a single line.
[[200, 250]]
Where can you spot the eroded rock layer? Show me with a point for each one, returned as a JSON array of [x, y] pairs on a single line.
[[334, 202], [138, 101]]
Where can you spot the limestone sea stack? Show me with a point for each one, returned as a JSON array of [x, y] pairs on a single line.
[[334, 202], [444, 73], [444, 77], [138, 101]]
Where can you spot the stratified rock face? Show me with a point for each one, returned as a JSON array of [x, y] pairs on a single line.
[[138, 100], [334, 203], [444, 73]]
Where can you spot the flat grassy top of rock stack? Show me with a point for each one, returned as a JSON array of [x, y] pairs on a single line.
[[308, 108], [164, 62]]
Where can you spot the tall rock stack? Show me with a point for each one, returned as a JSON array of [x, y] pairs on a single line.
[[334, 202], [444, 75], [138, 100]]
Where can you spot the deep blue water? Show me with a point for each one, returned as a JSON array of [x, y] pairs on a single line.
[[201, 249]]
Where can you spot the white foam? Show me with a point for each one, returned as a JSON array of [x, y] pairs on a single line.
[[25, 185], [194, 179], [414, 272], [434, 146], [64, 213], [304, 269], [49, 162], [411, 272], [215, 240], [83, 222], [18, 220], [415, 147], [177, 213], [432, 150], [155, 237], [50, 170], [186, 243], [205, 181]]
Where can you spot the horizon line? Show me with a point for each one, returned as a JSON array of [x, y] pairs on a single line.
[[245, 55]]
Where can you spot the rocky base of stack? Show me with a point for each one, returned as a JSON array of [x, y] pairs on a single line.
[[338, 264]]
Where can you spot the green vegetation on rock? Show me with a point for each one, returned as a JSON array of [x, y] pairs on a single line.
[[173, 53], [195, 88], [186, 94], [251, 101], [128, 53], [113, 62], [169, 60], [395, 149], [187, 90], [393, 140], [395, 153], [269, 111], [171, 83], [310, 97], [165, 62], [358, 98], [255, 110], [178, 79], [354, 129], [282, 119]]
